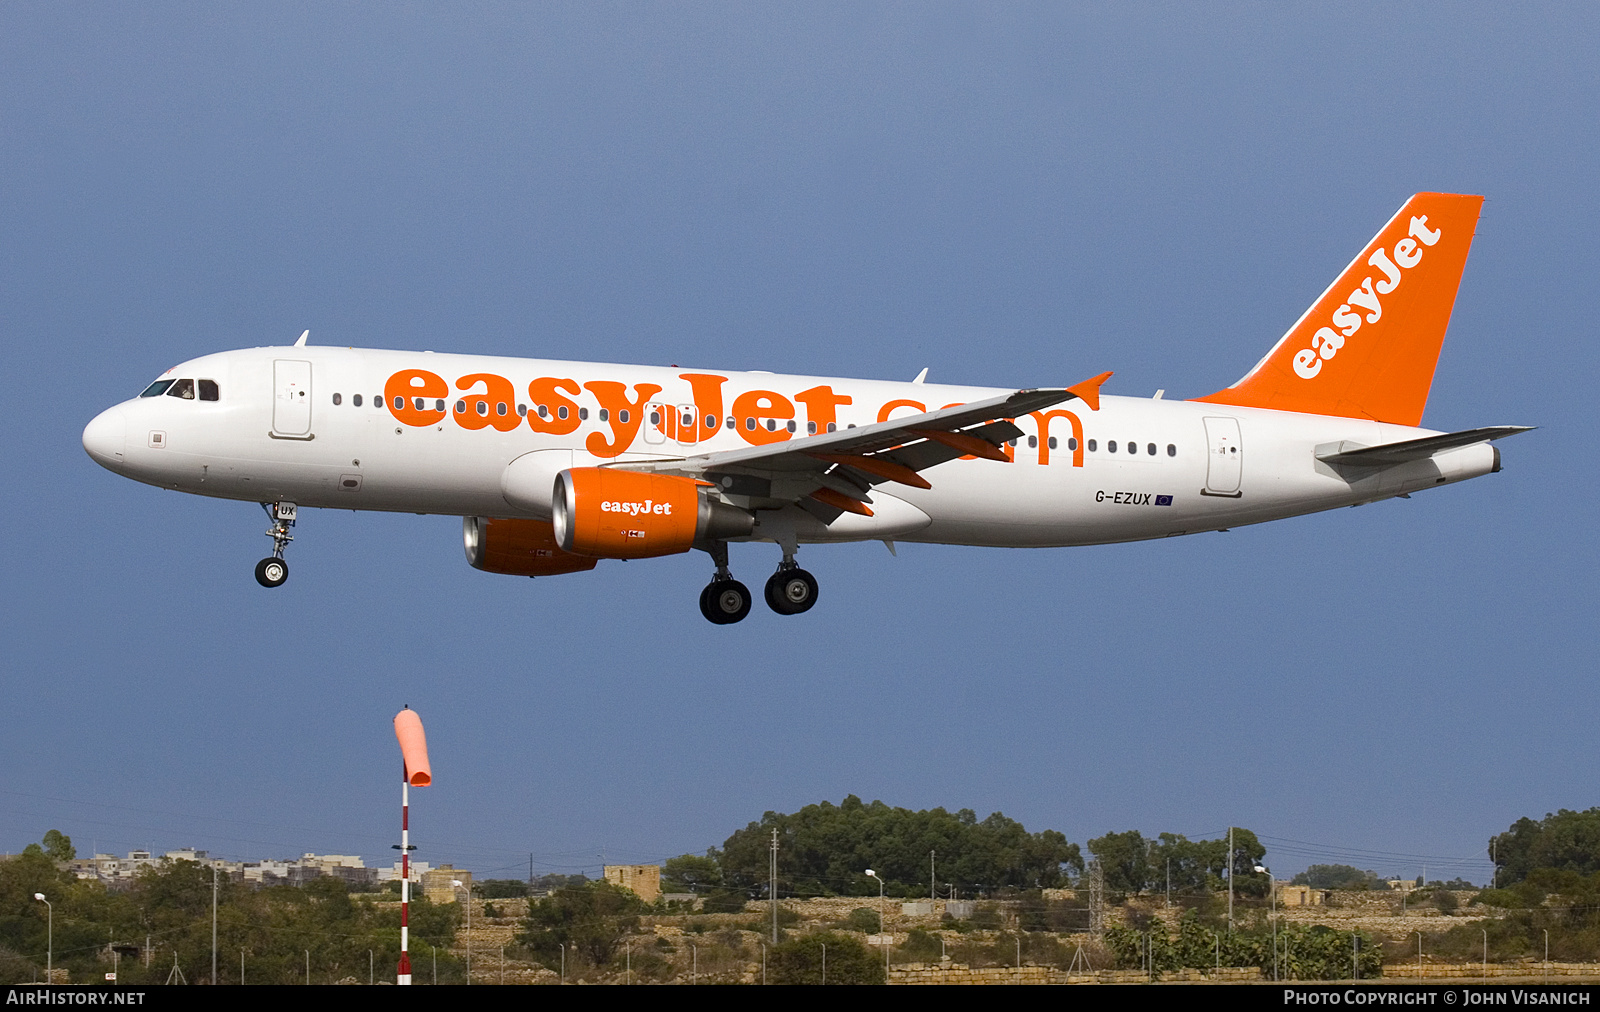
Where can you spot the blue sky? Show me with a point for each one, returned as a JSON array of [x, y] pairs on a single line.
[[1016, 195]]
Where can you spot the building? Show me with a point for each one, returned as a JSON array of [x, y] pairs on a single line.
[[439, 885], [643, 879]]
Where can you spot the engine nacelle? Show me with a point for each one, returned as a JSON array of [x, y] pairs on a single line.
[[518, 548], [616, 514]]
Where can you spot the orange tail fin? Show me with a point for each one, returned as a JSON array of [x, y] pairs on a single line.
[[1367, 348]]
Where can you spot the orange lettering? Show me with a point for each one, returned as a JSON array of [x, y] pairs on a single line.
[[496, 406], [760, 405], [707, 393], [1043, 418], [409, 388], [555, 421], [883, 412], [820, 403], [625, 416]]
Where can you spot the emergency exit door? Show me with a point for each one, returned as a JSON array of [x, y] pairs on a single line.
[[291, 399]]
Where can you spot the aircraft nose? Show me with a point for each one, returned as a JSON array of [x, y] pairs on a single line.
[[105, 436]]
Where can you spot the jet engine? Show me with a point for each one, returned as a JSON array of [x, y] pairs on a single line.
[[616, 514], [518, 548]]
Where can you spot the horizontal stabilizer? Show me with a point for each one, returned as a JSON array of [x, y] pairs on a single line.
[[1413, 449]]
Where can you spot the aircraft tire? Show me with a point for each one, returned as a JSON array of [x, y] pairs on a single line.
[[272, 572], [791, 591], [724, 602]]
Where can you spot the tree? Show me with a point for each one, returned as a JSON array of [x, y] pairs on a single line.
[[691, 873], [58, 846], [590, 920], [800, 961], [1132, 863], [826, 849], [1565, 841], [1124, 861], [1336, 876]]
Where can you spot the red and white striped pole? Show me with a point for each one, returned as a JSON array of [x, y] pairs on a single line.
[[415, 770]]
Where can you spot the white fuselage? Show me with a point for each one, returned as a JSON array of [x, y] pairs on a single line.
[[286, 426]]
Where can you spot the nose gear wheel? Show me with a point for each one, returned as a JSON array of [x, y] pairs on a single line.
[[272, 572]]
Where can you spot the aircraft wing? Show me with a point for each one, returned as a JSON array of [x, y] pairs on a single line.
[[832, 472]]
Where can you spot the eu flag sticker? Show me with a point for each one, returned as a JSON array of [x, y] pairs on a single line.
[[1163, 500]]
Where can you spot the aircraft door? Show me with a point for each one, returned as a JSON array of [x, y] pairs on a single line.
[[1224, 458], [291, 399], [688, 427], [657, 420]]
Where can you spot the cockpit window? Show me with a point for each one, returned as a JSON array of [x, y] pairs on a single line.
[[208, 390], [183, 388], [157, 388]]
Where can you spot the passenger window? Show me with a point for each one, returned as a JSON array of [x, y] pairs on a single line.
[[1052, 442], [1072, 443], [355, 400], [377, 401], [157, 388], [500, 408], [483, 408], [772, 425], [1172, 451], [832, 426], [711, 421], [622, 416], [811, 428], [791, 426], [399, 402], [544, 412], [438, 405], [732, 424], [183, 389], [337, 400], [208, 390], [750, 425], [1150, 449], [583, 414], [655, 418], [461, 407], [605, 415], [1091, 446], [1033, 442], [561, 412], [522, 411], [1111, 446]]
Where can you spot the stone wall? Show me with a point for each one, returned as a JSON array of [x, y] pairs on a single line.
[[1028, 973]]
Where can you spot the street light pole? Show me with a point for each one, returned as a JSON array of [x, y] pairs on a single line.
[[50, 938], [457, 884], [881, 939]]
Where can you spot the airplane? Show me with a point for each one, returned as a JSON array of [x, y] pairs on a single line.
[[555, 465]]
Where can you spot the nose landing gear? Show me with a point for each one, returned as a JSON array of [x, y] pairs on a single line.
[[724, 600], [274, 570]]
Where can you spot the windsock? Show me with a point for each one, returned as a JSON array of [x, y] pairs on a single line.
[[413, 747]]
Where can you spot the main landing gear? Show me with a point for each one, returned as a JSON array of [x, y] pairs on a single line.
[[789, 591], [724, 600], [274, 570]]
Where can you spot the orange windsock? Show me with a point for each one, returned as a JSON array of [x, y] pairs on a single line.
[[413, 747]]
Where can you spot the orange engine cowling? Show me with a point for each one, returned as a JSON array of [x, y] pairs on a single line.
[[518, 548], [615, 514]]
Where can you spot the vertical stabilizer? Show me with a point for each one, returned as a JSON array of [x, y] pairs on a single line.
[[1368, 347]]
